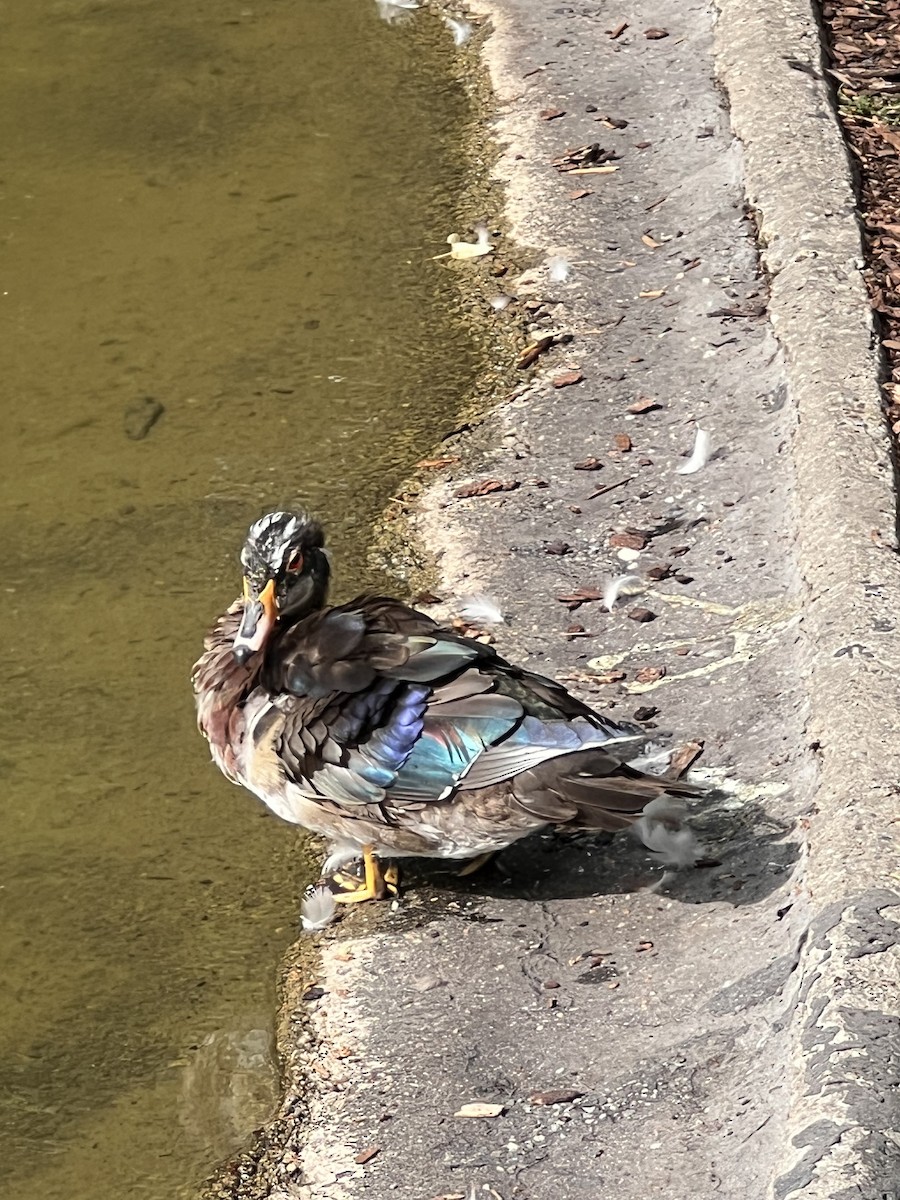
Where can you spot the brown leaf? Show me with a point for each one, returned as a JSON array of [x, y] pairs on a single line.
[[581, 595], [645, 713], [643, 947], [551, 114], [589, 464], [655, 35], [486, 487], [644, 404], [555, 1096], [641, 614], [436, 463], [366, 1155], [661, 572], [611, 677], [612, 122], [566, 379], [651, 242], [580, 194], [622, 442], [683, 758], [588, 155], [618, 31], [628, 540], [654, 295], [888, 135], [649, 674], [533, 352]]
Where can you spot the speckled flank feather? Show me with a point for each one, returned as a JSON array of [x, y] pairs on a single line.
[[369, 724]]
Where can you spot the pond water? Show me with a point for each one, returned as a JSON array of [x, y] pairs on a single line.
[[217, 296]]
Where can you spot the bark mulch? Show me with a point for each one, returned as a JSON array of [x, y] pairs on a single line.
[[862, 43]]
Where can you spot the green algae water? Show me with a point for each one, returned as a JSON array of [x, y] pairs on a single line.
[[216, 296]]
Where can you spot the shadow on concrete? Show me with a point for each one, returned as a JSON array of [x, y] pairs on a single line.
[[747, 856]]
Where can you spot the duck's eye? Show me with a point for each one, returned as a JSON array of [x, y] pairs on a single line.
[[296, 563]]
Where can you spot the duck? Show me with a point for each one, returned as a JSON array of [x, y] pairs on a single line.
[[370, 724]]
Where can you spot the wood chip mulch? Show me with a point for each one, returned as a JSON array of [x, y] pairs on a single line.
[[863, 49]]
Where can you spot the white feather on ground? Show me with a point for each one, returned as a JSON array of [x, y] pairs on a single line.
[[661, 830], [498, 303], [699, 455], [559, 270], [481, 610], [615, 588], [463, 250], [461, 30], [317, 910]]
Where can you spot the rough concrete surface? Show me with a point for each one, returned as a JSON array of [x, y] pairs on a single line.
[[726, 1031]]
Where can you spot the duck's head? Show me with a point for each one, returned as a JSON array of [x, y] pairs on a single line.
[[285, 575]]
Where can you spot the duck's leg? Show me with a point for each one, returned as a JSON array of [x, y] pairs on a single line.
[[376, 884], [476, 864]]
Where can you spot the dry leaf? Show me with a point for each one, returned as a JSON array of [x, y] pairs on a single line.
[[582, 595], [580, 195], [531, 353], [591, 154], [641, 614], [486, 487], [650, 241], [627, 541], [365, 1155], [655, 35], [479, 1108], [888, 135], [611, 677], [589, 464], [566, 379], [435, 463], [618, 31], [652, 295], [658, 573], [644, 404], [551, 114], [649, 674], [556, 1096], [623, 442], [646, 713]]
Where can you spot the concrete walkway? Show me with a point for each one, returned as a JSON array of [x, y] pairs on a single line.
[[732, 1030]]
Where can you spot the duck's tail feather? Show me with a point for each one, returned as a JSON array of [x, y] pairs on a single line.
[[591, 789]]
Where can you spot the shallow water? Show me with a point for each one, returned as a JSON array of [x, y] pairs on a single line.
[[230, 209]]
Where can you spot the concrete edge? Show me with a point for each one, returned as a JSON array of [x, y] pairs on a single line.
[[842, 1137], [797, 180]]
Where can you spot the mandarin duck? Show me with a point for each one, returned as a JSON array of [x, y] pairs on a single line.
[[371, 725]]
